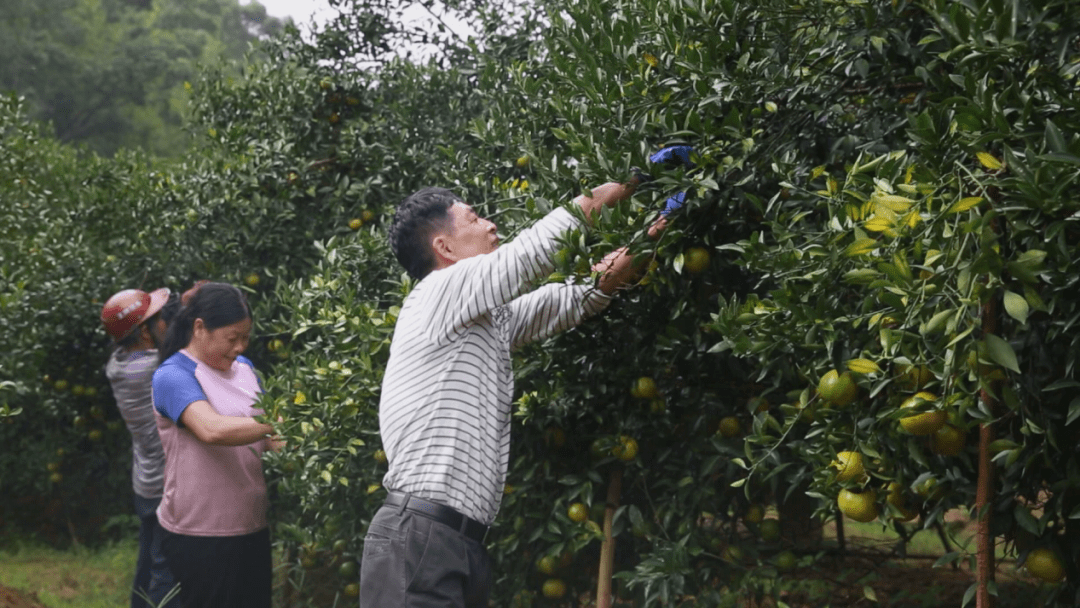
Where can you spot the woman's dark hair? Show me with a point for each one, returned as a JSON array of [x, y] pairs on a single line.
[[217, 304], [171, 308], [416, 219]]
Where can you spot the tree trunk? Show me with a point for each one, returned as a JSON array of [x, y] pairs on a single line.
[[607, 550], [798, 527], [984, 543]]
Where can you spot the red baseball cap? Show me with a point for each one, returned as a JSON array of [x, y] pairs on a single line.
[[128, 309]]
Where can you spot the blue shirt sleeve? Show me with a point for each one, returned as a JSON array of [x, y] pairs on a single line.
[[175, 387]]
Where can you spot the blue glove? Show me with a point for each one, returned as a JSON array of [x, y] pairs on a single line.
[[674, 154], [670, 156], [673, 203]]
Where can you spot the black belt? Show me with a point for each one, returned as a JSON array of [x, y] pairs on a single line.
[[439, 513]]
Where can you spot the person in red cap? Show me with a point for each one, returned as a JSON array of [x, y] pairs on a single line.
[[136, 321]]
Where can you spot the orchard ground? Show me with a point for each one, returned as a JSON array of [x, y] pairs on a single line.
[[870, 573]]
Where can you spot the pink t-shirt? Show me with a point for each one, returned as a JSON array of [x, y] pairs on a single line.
[[209, 490]]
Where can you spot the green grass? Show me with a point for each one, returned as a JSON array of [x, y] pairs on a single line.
[[961, 535], [72, 578]]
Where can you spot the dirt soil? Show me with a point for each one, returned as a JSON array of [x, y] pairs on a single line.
[[899, 583], [12, 598]]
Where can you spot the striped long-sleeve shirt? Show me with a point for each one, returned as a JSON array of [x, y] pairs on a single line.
[[446, 399], [130, 375]]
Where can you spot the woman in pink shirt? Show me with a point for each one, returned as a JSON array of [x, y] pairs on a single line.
[[214, 504]]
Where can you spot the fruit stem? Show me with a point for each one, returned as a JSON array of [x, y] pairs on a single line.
[[607, 550]]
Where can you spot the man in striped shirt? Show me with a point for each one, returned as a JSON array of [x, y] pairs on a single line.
[[136, 321], [445, 409]]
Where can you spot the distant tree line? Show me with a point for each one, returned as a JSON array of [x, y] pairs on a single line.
[[110, 74]]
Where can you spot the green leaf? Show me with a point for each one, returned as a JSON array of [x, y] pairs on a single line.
[[1074, 411], [861, 247], [861, 275], [1026, 520], [869, 593], [964, 204], [948, 558], [1060, 384], [1016, 306], [969, 594], [1001, 353], [937, 322], [1054, 139]]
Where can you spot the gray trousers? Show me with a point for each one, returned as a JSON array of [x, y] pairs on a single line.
[[413, 562]]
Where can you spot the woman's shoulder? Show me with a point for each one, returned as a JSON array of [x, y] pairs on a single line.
[[242, 360], [178, 365]]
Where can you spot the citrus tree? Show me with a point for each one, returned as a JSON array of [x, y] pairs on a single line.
[[870, 272], [829, 289]]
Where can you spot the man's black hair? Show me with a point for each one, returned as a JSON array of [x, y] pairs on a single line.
[[417, 218]]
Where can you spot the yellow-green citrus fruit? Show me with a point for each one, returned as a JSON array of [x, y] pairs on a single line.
[[657, 406], [925, 423], [1043, 564], [351, 590], [914, 378], [836, 388], [578, 512], [860, 506], [356, 223], [546, 565], [522, 161], [348, 569], [554, 589], [785, 560], [555, 437], [626, 450], [755, 514], [732, 554], [770, 530], [380, 456], [895, 497], [696, 260], [947, 441], [729, 426], [252, 279], [645, 388], [849, 466]]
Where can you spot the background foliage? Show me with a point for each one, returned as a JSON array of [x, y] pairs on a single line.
[[110, 73]]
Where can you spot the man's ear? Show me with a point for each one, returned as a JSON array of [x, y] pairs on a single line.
[[440, 245]]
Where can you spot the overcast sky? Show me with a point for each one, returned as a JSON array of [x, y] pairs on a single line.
[[303, 11]]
